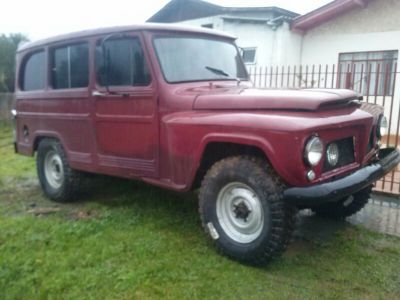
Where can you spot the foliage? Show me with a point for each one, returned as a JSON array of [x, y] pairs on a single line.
[[128, 240], [8, 48]]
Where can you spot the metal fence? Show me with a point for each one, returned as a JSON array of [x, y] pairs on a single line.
[[377, 81]]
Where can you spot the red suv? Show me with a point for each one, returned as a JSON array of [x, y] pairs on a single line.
[[173, 106]]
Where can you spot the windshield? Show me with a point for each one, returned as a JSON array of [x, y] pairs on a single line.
[[196, 59]]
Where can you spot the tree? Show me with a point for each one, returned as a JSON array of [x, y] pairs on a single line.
[[8, 48]]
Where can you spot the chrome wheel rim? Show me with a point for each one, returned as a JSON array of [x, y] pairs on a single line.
[[239, 212], [53, 169]]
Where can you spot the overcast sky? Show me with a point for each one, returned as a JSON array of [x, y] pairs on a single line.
[[43, 18]]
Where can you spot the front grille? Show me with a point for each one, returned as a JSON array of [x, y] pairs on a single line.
[[346, 154]]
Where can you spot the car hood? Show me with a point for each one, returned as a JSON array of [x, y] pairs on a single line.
[[263, 99]]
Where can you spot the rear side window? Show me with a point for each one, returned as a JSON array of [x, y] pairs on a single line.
[[70, 66], [123, 64], [33, 72]]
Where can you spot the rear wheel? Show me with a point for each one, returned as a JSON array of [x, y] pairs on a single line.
[[58, 181], [243, 212], [345, 207]]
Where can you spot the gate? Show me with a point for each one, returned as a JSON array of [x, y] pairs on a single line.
[[378, 81]]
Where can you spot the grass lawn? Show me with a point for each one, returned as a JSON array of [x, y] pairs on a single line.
[[128, 240]]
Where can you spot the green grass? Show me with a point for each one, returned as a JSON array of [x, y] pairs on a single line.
[[128, 240]]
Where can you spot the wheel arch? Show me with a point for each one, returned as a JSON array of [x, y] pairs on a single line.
[[41, 135], [217, 147]]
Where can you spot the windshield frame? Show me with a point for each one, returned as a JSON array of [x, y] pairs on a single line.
[[205, 37]]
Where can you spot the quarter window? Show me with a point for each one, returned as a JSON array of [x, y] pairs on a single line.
[[33, 72], [70, 66], [123, 64]]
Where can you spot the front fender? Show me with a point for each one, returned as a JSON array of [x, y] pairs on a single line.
[[185, 137]]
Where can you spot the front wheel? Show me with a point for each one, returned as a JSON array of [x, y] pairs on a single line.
[[243, 212]]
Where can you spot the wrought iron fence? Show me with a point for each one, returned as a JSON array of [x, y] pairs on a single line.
[[378, 82]]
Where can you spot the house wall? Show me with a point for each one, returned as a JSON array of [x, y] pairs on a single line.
[[287, 50], [253, 14], [215, 20], [258, 35], [373, 28]]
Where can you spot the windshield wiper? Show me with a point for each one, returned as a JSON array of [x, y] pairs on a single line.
[[217, 71]]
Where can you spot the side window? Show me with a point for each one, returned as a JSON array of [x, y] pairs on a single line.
[[123, 64], [70, 66], [33, 72]]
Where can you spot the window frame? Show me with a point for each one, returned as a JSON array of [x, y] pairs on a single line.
[[381, 90], [67, 44], [255, 55], [117, 88]]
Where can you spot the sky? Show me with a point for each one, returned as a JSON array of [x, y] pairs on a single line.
[[44, 18]]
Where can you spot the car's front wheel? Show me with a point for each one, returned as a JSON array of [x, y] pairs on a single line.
[[242, 209], [58, 181]]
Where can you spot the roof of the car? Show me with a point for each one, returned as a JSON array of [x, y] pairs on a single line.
[[117, 29]]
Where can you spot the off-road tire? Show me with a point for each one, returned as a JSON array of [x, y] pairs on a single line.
[[279, 217], [345, 207], [71, 185]]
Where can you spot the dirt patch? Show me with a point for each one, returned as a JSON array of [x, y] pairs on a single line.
[[43, 210]]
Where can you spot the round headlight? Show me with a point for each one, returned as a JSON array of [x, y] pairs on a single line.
[[313, 151], [332, 154], [382, 127]]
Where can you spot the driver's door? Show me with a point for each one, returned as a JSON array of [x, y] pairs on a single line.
[[125, 108]]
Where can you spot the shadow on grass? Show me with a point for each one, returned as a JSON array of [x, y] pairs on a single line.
[[149, 200]]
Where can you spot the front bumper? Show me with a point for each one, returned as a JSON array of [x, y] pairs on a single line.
[[340, 188]]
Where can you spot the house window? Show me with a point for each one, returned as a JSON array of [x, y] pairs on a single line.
[[70, 66], [125, 65], [208, 25], [371, 73], [249, 55], [33, 72]]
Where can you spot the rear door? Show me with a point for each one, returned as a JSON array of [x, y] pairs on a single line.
[[125, 105]]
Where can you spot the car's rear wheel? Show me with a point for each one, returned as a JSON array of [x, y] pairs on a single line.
[[242, 210], [58, 181], [344, 207]]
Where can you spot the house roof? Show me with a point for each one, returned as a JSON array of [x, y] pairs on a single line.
[[181, 10], [325, 13]]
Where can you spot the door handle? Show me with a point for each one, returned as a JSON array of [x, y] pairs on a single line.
[[110, 94], [98, 94]]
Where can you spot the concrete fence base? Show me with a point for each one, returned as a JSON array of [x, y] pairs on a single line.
[[6, 104]]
